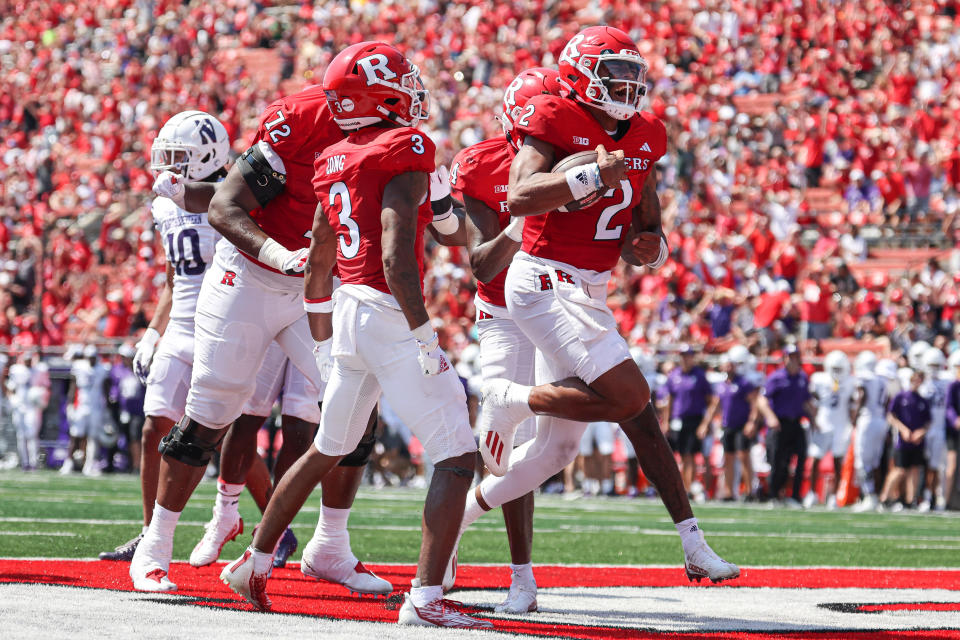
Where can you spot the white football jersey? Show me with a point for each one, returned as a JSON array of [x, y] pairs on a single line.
[[833, 400], [18, 383], [875, 398], [189, 243], [935, 391], [89, 379]]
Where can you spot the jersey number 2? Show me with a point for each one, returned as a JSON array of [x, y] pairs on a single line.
[[604, 232], [347, 249]]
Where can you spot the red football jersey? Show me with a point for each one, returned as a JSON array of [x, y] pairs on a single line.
[[589, 238], [298, 127], [482, 171], [349, 180]]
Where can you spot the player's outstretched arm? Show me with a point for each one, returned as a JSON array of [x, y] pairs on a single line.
[[646, 244], [318, 277], [490, 249], [398, 240], [534, 189]]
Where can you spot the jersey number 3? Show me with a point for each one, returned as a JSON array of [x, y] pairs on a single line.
[[340, 192], [604, 231]]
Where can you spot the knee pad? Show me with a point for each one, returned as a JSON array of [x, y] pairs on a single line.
[[184, 446], [361, 455]]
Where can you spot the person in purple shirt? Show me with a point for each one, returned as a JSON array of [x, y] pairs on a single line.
[[690, 408], [126, 404], [953, 429], [787, 397], [738, 411], [909, 414]]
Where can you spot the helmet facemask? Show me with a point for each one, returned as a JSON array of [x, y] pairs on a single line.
[[617, 82], [166, 155], [412, 85]]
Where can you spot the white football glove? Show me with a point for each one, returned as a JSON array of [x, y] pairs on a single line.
[[439, 183], [170, 185], [433, 360], [296, 262], [144, 355], [276, 255], [321, 351]]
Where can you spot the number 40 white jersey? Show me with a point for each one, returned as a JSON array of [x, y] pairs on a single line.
[[189, 243]]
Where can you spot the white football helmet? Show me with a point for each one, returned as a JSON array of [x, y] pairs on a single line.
[[739, 357], [915, 354], [933, 363], [193, 144], [886, 368], [837, 364], [865, 362], [953, 362]]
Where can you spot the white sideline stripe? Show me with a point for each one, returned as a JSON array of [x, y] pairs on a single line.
[[813, 537]]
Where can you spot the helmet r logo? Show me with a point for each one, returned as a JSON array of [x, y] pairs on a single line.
[[570, 52], [375, 68]]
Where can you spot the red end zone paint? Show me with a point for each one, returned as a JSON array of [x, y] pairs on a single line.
[[292, 593]]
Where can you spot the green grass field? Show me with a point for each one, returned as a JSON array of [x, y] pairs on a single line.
[[47, 515]]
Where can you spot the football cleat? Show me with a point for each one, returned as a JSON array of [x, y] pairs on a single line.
[[124, 552], [218, 532], [149, 565], [522, 598], [809, 500], [703, 562], [240, 576], [285, 548], [869, 503], [497, 424], [439, 613], [342, 568]]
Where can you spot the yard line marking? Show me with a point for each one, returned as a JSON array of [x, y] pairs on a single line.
[[54, 534]]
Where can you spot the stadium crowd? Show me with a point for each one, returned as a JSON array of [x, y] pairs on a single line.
[[802, 135]]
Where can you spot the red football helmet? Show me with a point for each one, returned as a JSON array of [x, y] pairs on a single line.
[[532, 82], [602, 66], [370, 82]]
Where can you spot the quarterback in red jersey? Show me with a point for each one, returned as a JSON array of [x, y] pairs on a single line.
[[556, 285], [374, 207], [250, 297]]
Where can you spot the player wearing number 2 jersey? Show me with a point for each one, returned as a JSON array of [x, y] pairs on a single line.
[[556, 285]]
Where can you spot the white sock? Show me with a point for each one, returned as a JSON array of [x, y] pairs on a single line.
[[518, 398], [523, 573], [690, 533], [262, 561], [471, 511], [331, 532], [163, 523], [143, 531], [425, 595], [228, 497]]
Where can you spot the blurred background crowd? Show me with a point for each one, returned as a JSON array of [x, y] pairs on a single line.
[[810, 187]]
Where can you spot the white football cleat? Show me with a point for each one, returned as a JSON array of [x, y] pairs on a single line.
[[219, 531], [703, 562], [522, 598], [497, 425], [342, 568], [439, 613], [240, 576], [869, 503], [809, 500], [150, 563], [450, 574]]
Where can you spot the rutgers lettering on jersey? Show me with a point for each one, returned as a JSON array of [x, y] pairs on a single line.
[[591, 237], [298, 128], [482, 171], [349, 179]]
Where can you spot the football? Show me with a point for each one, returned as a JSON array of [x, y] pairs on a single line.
[[575, 160]]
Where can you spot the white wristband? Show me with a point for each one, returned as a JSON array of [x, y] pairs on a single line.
[[448, 225], [583, 180], [662, 257], [273, 254], [424, 333], [318, 305], [151, 337], [514, 230]]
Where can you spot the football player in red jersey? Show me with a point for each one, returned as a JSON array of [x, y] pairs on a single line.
[[250, 297], [556, 285], [374, 207], [479, 176]]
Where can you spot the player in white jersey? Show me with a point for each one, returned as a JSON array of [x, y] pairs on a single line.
[[871, 425], [28, 383], [830, 436], [914, 358], [934, 390], [86, 412]]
